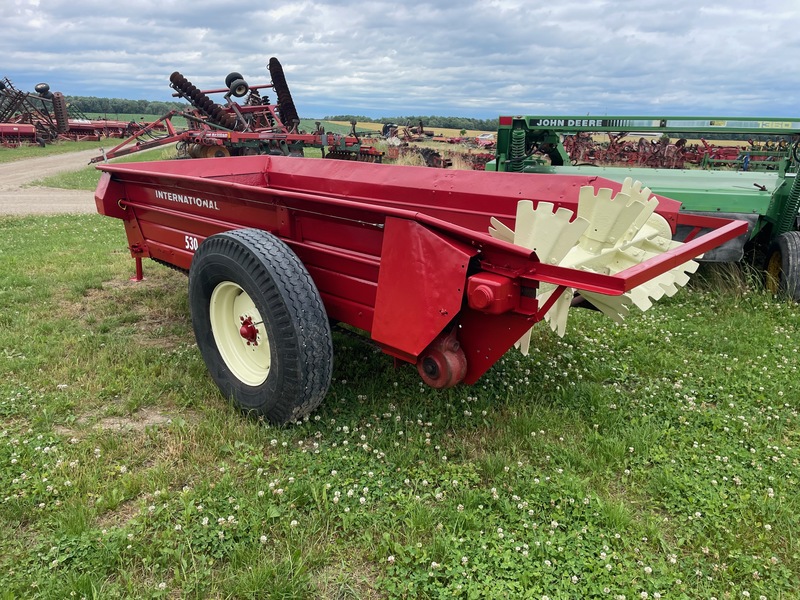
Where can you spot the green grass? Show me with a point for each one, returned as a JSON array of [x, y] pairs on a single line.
[[657, 457]]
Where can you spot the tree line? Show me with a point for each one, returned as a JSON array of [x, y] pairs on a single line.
[[92, 104], [111, 106]]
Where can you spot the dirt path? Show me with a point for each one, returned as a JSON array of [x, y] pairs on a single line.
[[18, 200]]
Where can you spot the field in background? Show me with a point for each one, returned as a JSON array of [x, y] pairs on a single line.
[[178, 121], [443, 131]]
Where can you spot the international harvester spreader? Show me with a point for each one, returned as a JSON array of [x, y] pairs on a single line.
[[445, 270]]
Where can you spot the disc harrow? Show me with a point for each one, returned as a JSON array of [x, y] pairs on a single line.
[[286, 107], [201, 101], [231, 129]]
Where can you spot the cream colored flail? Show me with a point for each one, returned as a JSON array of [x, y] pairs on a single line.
[[609, 234]]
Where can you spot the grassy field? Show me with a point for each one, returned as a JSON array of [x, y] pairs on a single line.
[[658, 459], [178, 121]]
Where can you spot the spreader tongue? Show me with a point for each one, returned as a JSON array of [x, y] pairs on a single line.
[[609, 234]]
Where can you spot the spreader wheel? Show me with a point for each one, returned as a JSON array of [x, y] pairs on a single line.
[[783, 265], [260, 325]]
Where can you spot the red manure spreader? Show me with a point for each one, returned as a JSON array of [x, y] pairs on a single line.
[[446, 270]]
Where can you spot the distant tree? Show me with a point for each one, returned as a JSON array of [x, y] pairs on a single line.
[[112, 106]]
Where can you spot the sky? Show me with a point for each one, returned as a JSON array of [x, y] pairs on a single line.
[[412, 57]]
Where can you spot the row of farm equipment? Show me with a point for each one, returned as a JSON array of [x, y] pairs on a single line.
[[620, 150], [244, 122], [768, 199], [45, 116]]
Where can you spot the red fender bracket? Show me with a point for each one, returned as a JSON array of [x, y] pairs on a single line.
[[421, 287]]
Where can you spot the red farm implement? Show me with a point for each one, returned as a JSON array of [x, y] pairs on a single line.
[[17, 134], [230, 128], [445, 270], [46, 117]]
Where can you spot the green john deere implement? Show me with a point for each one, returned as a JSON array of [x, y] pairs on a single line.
[[754, 180]]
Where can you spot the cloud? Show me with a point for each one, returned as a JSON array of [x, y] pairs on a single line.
[[422, 57]]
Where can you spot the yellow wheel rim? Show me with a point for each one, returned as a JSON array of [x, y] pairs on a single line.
[[240, 333]]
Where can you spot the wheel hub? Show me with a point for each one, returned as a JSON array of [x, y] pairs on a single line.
[[248, 330]]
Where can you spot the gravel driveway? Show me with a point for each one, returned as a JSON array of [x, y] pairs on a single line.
[[18, 200]]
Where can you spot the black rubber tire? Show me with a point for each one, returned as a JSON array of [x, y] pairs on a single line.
[[232, 76], [294, 320], [782, 267], [238, 88]]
